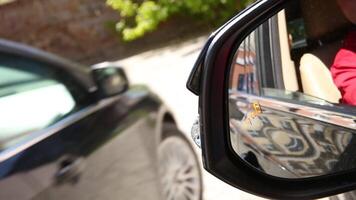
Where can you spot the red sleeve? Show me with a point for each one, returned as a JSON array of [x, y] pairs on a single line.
[[344, 74]]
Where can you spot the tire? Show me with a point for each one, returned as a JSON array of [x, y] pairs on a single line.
[[178, 168]]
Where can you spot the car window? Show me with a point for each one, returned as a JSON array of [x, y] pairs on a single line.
[[31, 98], [308, 73]]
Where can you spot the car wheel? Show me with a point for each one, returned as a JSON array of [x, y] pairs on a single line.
[[179, 170]]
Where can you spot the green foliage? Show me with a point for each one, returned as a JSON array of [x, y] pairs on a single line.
[[141, 17]]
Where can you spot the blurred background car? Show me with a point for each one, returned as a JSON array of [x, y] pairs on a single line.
[[73, 132]]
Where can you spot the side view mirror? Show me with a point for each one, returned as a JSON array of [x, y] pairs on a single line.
[[273, 120], [110, 81]]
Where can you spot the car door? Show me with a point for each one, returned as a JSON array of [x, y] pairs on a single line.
[[304, 135], [59, 141]]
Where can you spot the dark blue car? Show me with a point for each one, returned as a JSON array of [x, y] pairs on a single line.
[[74, 132]]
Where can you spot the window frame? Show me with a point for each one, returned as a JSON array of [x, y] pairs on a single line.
[[82, 97], [268, 49], [76, 89], [54, 74], [79, 72]]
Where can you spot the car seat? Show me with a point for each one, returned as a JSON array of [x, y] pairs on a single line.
[[322, 19], [317, 80]]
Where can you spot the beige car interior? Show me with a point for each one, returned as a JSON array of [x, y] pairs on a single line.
[[314, 66], [288, 66]]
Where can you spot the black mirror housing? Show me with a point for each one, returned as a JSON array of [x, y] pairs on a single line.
[[110, 81], [209, 80]]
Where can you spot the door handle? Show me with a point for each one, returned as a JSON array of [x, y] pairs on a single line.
[[69, 170]]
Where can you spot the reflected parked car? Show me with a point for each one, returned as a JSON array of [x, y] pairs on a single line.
[[73, 132]]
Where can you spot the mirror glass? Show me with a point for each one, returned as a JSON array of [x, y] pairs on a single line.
[[292, 94]]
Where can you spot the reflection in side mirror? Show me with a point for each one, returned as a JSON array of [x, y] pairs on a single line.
[[298, 132], [110, 81]]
